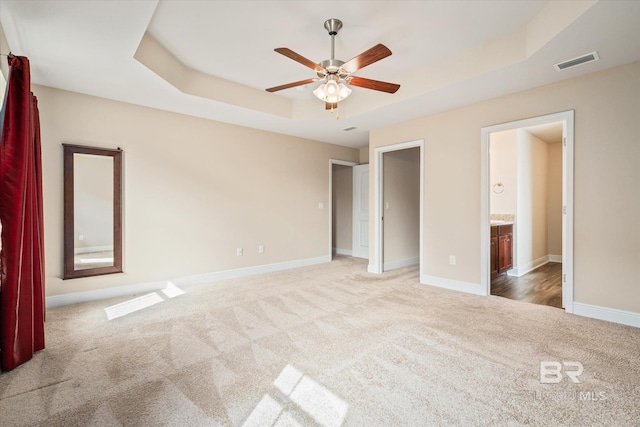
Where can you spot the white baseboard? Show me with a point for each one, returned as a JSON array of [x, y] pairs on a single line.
[[372, 269], [105, 293], [120, 291], [527, 268], [91, 249], [609, 314], [555, 258], [456, 285], [401, 263], [338, 251]]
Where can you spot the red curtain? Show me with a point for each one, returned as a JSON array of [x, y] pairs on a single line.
[[22, 306]]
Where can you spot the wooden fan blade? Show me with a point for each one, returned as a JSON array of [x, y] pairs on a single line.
[[288, 85], [330, 105], [373, 84], [299, 58], [368, 57]]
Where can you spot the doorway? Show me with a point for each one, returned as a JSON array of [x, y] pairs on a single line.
[[401, 208], [340, 207], [525, 175], [377, 264], [530, 235]]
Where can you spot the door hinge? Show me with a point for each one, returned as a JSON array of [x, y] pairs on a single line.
[[564, 278], [564, 209], [564, 141]]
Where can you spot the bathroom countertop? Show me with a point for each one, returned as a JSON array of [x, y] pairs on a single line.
[[498, 222]]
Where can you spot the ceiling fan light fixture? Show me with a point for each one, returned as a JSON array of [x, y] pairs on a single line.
[[332, 91], [335, 74], [344, 91], [331, 88]]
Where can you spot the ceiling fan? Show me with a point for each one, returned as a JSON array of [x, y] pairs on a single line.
[[335, 74]]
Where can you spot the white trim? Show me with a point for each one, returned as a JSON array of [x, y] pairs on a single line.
[[343, 163], [555, 258], [567, 117], [120, 291], [401, 263], [91, 249], [376, 265], [455, 285], [330, 204], [529, 267], [338, 251], [567, 218], [609, 314]]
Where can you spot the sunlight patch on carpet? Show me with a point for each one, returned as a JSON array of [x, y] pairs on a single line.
[[140, 303], [172, 290], [133, 305], [317, 401], [96, 260], [265, 413]]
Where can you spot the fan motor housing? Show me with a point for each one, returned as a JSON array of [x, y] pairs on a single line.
[[331, 65]]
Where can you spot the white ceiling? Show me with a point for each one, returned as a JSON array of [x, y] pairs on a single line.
[[445, 53]]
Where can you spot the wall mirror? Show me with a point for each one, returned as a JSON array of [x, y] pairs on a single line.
[[92, 211]]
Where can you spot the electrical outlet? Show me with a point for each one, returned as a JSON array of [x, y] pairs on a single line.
[[261, 249], [452, 259], [81, 237], [239, 252]]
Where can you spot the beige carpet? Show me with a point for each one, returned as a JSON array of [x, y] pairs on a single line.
[[324, 345]]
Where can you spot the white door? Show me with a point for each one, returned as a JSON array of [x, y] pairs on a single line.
[[361, 211]]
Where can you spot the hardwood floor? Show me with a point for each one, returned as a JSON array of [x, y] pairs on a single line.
[[541, 286]]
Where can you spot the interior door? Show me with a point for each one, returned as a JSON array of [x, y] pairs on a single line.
[[361, 211]]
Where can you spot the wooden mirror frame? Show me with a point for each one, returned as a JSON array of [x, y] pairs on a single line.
[[69, 255]]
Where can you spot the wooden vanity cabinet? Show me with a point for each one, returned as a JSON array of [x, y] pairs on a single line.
[[501, 249], [494, 251]]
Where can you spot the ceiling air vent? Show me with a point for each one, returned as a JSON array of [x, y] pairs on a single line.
[[589, 57], [350, 128]]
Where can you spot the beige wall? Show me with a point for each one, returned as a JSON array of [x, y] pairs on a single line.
[[342, 202], [364, 155], [194, 190], [607, 172], [531, 214], [503, 166], [401, 199], [554, 200]]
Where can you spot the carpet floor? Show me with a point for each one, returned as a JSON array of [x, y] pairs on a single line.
[[325, 345]]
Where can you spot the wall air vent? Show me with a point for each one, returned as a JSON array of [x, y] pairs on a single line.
[[583, 59], [350, 128]]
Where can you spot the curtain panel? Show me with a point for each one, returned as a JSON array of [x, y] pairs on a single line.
[[22, 308]]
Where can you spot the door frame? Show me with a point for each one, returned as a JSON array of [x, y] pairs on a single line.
[[376, 264], [331, 163], [567, 118]]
